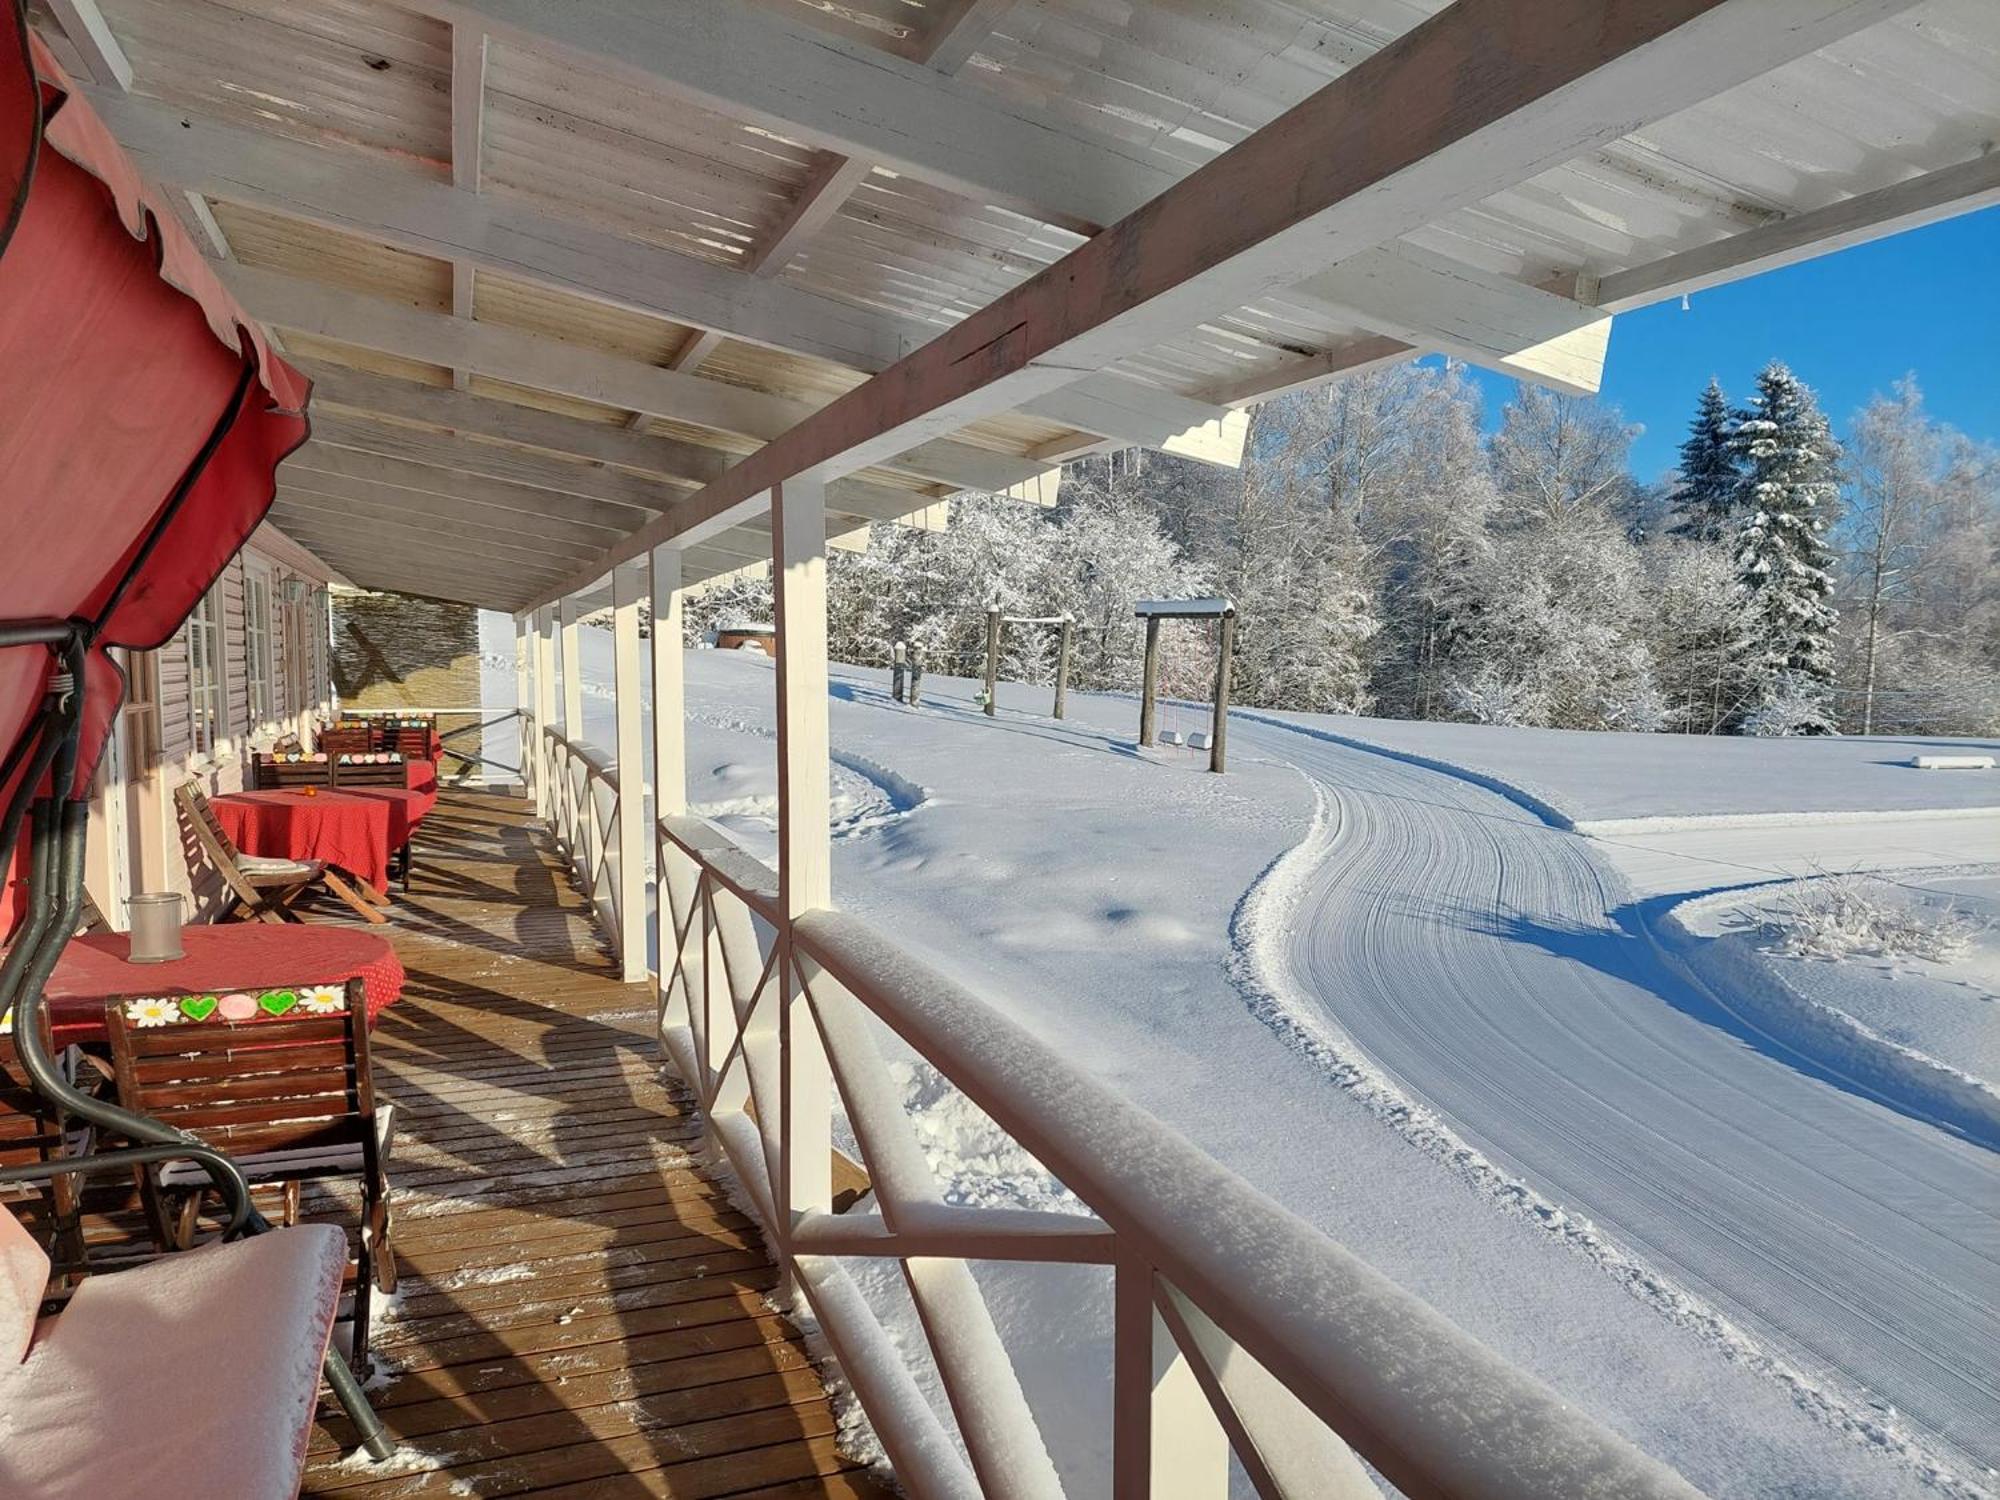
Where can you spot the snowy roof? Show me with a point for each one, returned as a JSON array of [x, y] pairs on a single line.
[[1173, 609], [744, 627]]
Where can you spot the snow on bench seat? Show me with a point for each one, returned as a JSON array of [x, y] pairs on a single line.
[[1952, 762], [194, 1375]]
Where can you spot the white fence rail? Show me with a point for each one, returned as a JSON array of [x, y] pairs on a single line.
[[584, 808], [1237, 1326]]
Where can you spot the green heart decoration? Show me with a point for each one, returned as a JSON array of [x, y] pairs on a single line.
[[198, 1007], [277, 1002]]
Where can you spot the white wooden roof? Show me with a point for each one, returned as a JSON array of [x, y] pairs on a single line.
[[558, 268]]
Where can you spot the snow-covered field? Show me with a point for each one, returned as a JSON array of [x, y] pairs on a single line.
[[1395, 991]]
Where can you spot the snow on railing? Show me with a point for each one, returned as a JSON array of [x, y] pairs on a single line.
[[1237, 1327]]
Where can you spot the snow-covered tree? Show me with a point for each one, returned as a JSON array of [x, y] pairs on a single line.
[[1709, 484], [1703, 628], [1559, 457], [1783, 560], [1550, 630]]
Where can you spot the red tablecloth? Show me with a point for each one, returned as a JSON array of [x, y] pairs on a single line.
[[247, 955], [346, 829], [407, 807], [422, 776]]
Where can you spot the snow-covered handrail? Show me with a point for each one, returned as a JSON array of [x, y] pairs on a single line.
[[1233, 1317]]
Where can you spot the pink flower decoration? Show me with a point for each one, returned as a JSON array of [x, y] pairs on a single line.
[[237, 1007]]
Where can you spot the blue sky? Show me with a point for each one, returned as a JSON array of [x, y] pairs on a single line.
[[1850, 324]]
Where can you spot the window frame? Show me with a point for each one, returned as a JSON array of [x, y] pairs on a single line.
[[208, 678], [259, 654]]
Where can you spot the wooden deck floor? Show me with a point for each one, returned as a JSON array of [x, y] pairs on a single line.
[[582, 1313]]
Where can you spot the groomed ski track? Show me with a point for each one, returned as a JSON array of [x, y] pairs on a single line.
[[1479, 958]]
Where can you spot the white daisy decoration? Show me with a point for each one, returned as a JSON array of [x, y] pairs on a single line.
[[153, 1012], [323, 999]]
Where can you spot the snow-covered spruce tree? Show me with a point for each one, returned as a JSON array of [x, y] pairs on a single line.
[[1783, 560], [1704, 500]]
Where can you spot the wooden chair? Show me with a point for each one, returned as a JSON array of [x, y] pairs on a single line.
[[411, 744], [275, 771], [371, 770], [278, 1079], [262, 889], [346, 739]]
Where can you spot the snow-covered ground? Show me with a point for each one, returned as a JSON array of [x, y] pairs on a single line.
[[1420, 1012]]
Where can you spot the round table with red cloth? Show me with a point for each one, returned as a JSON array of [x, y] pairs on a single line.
[[422, 776], [344, 829], [240, 956]]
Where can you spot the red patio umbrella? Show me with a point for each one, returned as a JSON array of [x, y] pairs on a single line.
[[142, 416]]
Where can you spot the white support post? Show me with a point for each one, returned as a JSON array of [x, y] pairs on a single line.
[[575, 821], [628, 584], [669, 690], [572, 667], [545, 710], [805, 855], [669, 752], [524, 701], [1167, 1442]]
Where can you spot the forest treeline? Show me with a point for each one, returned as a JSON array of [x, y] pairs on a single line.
[[1388, 556]]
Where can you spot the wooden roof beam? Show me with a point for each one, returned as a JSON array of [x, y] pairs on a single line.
[[97, 46], [1484, 94], [347, 192], [1924, 199]]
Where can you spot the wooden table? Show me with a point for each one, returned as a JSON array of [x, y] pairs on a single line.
[[350, 830]]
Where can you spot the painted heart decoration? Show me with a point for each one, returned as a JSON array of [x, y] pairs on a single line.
[[198, 1007], [277, 1002]]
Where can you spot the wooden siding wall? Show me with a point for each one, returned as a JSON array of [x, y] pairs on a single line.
[[158, 847]]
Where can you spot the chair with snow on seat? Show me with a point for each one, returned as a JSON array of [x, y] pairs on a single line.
[[280, 1080]]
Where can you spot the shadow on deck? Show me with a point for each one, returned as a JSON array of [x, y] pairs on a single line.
[[582, 1312]]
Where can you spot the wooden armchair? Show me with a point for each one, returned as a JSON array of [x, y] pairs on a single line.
[[280, 1081], [276, 771], [262, 889]]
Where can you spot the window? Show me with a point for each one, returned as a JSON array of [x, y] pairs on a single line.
[[142, 708], [210, 716], [257, 647]]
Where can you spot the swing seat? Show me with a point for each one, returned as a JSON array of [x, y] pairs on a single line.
[[1200, 740], [197, 1374], [1170, 737]]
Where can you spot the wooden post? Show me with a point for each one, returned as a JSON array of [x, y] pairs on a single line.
[[1149, 684], [524, 699], [627, 587], [1063, 649], [916, 657], [992, 660], [545, 710], [896, 671], [1218, 739], [571, 643], [669, 691], [805, 853]]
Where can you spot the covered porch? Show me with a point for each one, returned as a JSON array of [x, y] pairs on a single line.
[[582, 1310]]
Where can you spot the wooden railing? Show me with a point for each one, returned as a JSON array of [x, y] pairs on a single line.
[[1237, 1326], [578, 796]]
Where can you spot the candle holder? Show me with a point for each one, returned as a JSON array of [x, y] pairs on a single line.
[[156, 927]]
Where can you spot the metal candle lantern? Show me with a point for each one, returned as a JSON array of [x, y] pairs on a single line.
[[156, 927]]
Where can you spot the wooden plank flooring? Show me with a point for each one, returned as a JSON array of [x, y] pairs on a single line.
[[581, 1312]]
